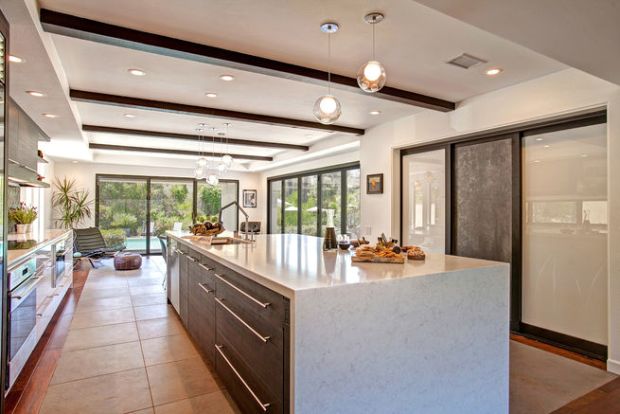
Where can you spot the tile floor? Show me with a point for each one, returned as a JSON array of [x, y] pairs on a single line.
[[127, 352]]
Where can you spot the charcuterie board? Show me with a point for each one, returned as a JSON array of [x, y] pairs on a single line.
[[400, 259]]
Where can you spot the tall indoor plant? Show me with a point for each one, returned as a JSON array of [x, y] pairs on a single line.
[[72, 204]]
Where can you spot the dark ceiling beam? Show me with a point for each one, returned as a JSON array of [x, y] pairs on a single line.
[[170, 135], [175, 152], [92, 30], [171, 107]]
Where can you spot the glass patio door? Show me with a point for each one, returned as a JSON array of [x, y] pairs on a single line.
[[171, 205]]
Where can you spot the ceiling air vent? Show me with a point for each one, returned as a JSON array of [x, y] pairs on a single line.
[[466, 61]]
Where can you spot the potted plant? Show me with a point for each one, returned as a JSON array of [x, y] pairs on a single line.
[[73, 204], [23, 216]]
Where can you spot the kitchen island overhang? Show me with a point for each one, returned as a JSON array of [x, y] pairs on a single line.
[[426, 336]]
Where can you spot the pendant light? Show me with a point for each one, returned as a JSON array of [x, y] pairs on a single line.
[[201, 164], [227, 159], [213, 178], [327, 108], [371, 76]]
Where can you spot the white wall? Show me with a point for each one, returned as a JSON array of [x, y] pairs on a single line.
[[84, 174], [560, 93]]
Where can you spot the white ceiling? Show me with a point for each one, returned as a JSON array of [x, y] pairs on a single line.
[[413, 42], [581, 34]]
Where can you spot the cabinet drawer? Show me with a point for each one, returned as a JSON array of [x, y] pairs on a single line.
[[249, 394], [263, 353], [263, 308], [201, 310]]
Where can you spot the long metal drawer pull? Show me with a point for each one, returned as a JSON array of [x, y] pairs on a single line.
[[259, 336], [208, 269], [247, 295], [205, 288], [179, 252], [263, 405], [191, 258]]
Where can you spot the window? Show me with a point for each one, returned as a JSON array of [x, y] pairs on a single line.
[[303, 203], [125, 204], [424, 199]]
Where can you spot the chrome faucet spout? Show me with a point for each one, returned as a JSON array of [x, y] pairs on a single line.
[[232, 203]]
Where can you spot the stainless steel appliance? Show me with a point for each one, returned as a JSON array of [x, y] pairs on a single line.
[[63, 253], [22, 305]]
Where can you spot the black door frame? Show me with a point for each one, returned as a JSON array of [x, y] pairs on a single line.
[[518, 132], [148, 180]]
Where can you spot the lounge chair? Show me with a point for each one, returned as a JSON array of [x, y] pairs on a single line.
[[89, 243]]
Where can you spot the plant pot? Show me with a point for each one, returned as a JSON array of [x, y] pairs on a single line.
[[21, 228], [29, 228]]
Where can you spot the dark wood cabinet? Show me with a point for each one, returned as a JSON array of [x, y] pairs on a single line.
[[241, 327]]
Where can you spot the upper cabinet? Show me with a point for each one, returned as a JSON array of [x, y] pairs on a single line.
[[24, 136]]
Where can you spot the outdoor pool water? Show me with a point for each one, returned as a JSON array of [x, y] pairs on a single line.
[[139, 244]]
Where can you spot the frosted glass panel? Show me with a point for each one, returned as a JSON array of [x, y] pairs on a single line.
[[565, 232], [424, 195]]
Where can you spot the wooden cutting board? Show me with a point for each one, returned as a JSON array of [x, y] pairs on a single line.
[[400, 259]]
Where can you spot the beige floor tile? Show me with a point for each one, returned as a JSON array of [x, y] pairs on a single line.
[[149, 299], [212, 403], [106, 283], [90, 293], [153, 311], [100, 318], [180, 380], [155, 328], [168, 349], [146, 290], [107, 394], [97, 304], [146, 281], [145, 411], [101, 335], [86, 363]]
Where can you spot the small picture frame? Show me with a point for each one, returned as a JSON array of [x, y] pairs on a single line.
[[374, 184], [250, 198]]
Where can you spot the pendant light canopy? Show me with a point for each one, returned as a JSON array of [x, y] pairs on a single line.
[[327, 108], [371, 76]]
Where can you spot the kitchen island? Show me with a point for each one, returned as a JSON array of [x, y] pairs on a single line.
[[291, 328]]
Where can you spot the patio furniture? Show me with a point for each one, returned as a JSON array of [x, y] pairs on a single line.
[[164, 247], [127, 261], [90, 244]]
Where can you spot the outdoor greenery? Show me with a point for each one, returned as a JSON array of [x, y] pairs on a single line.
[[22, 214], [123, 206], [72, 204], [114, 238]]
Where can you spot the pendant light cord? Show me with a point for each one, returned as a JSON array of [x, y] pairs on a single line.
[[329, 56], [373, 37]]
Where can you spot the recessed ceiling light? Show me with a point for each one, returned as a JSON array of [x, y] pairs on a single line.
[[15, 59], [539, 139], [547, 146], [227, 78], [584, 155], [35, 94], [536, 161], [202, 125], [131, 116], [199, 129], [211, 94], [137, 72], [494, 71], [75, 162], [227, 124], [375, 112], [50, 115]]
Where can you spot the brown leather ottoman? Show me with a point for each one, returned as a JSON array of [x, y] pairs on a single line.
[[127, 261]]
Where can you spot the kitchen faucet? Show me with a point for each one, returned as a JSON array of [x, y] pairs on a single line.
[[243, 212]]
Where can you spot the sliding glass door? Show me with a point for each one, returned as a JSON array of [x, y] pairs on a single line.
[[134, 210], [302, 203], [122, 212], [172, 205]]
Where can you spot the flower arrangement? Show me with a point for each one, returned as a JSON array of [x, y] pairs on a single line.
[[23, 214]]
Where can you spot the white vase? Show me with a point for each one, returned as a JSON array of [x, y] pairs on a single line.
[[29, 228], [21, 228]]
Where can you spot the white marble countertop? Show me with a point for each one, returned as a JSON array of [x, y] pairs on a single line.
[[35, 241], [288, 263]]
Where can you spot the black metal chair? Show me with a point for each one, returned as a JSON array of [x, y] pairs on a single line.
[[89, 243], [253, 227]]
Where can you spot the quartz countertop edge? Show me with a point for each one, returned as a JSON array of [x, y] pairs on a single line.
[[43, 239], [359, 273]]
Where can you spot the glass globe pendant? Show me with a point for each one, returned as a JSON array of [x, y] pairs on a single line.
[[212, 179], [227, 160], [371, 76], [199, 172], [327, 108]]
